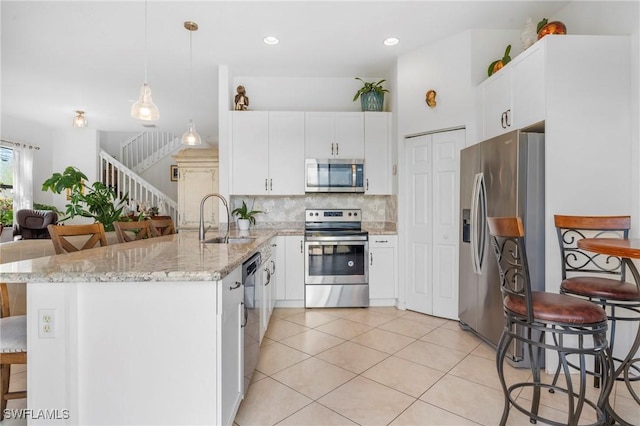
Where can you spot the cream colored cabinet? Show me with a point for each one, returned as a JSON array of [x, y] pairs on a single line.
[[383, 269], [267, 153], [197, 177], [377, 153], [334, 135]]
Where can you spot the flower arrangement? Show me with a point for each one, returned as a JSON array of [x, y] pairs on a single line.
[[6, 211]]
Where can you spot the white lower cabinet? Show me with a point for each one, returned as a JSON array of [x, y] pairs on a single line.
[[267, 295], [289, 275], [231, 341], [383, 269]]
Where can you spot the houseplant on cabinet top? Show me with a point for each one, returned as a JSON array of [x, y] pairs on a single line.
[[245, 216], [371, 95], [97, 201]]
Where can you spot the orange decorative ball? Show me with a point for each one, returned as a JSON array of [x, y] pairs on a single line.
[[554, 27]]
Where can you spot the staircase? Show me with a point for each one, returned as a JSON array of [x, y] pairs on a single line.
[[127, 182], [145, 149]]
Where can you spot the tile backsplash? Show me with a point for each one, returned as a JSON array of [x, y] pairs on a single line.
[[383, 208]]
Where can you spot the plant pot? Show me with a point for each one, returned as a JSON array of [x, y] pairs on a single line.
[[372, 101], [243, 224]]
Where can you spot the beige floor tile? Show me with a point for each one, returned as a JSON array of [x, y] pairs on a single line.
[[312, 341], [404, 376], [316, 415], [371, 318], [517, 418], [621, 388], [281, 329], [353, 357], [424, 319], [286, 312], [388, 310], [266, 341], [339, 312], [257, 376], [485, 372], [344, 329], [367, 402], [313, 377], [383, 340], [407, 328], [460, 341], [268, 402], [452, 325], [277, 356], [311, 318], [433, 356], [421, 413], [466, 399], [628, 409], [484, 350]]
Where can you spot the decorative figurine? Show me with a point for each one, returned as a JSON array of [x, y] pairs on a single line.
[[431, 98], [242, 100]]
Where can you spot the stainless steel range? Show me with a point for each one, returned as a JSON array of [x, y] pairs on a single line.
[[336, 253]]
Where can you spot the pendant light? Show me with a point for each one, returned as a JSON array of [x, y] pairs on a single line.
[[191, 137], [79, 120], [144, 108]]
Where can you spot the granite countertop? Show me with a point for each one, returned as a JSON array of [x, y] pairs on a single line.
[[178, 257]]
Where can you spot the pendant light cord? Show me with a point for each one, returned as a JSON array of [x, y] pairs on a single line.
[[191, 70], [145, 41]]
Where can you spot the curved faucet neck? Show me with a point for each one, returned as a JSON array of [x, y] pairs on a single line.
[[201, 230]]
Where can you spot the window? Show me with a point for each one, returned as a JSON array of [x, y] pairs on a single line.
[[6, 169]]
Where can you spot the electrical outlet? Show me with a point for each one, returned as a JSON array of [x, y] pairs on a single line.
[[46, 323]]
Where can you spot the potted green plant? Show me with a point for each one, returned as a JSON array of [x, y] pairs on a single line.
[[97, 201], [371, 95], [246, 216]]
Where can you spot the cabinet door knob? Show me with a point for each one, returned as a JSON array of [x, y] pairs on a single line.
[[332, 149], [507, 115], [266, 187], [301, 246], [271, 184], [370, 258], [367, 185], [337, 149]]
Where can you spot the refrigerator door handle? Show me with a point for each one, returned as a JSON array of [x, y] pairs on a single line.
[[478, 225]]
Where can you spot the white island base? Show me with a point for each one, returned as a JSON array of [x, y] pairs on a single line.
[[135, 353]]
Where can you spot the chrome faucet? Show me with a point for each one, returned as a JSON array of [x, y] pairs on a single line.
[[226, 206]]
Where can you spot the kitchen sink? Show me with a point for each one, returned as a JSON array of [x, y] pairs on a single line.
[[232, 240]]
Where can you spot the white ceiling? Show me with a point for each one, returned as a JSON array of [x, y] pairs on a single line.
[[60, 56]]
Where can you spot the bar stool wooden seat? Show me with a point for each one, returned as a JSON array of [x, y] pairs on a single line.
[[597, 277], [578, 328], [13, 347]]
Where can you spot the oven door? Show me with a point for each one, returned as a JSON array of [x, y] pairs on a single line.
[[336, 261]]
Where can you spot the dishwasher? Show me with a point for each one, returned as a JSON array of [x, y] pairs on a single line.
[[252, 312]]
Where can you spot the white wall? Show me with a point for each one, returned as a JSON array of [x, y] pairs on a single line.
[[110, 142]]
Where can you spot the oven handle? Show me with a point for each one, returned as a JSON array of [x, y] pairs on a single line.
[[334, 242], [359, 238]]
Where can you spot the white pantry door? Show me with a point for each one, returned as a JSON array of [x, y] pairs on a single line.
[[433, 163]]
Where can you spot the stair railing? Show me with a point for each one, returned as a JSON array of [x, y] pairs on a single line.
[[145, 149], [125, 181]]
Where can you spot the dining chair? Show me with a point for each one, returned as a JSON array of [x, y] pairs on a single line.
[[67, 238], [599, 278], [13, 347], [160, 227], [140, 230], [578, 327]]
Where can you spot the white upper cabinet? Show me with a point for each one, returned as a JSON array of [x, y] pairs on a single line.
[[496, 111], [377, 153], [250, 153], [267, 153], [286, 153], [334, 135]]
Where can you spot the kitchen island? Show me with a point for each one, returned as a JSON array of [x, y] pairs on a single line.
[[136, 332]]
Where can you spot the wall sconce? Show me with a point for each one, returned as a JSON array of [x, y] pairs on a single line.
[[79, 120]]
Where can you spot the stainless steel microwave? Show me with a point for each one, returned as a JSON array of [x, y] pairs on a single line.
[[334, 175]]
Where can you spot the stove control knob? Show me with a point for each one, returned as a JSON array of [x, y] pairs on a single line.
[[316, 213], [355, 214], [310, 213], [349, 213]]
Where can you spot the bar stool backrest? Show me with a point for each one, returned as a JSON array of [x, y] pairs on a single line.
[[507, 239], [571, 229]]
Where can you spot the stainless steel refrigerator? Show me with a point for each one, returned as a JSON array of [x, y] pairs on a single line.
[[503, 176]]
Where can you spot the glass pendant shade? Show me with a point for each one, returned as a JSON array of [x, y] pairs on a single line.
[[191, 137], [144, 108], [79, 120]]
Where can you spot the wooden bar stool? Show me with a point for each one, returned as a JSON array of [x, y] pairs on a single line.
[[578, 328], [67, 239], [160, 227], [597, 277], [141, 229], [13, 347]]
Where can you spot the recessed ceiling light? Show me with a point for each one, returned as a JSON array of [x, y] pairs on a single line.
[[391, 41], [271, 40]]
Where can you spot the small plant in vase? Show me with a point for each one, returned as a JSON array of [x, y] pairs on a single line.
[[371, 95], [246, 217]]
